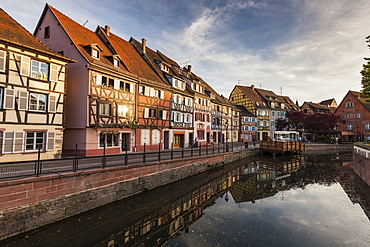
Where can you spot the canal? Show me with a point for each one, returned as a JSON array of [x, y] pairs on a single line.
[[312, 200]]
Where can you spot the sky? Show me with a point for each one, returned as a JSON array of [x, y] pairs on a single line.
[[309, 50]]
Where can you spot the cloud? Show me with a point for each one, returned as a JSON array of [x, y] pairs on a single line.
[[322, 51]]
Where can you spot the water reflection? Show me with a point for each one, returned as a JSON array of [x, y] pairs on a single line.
[[288, 201]]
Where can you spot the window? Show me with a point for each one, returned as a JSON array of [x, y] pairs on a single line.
[[95, 53], [115, 62], [350, 104], [153, 113], [128, 87], [47, 32], [358, 115], [13, 142], [145, 138], [108, 139], [35, 140], [367, 126], [39, 70], [111, 82], [105, 109], [37, 102], [2, 61], [155, 136], [24, 64], [54, 70], [8, 98], [122, 110], [350, 127]]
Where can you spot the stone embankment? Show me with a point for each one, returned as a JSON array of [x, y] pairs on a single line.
[[28, 203], [361, 161], [327, 148]]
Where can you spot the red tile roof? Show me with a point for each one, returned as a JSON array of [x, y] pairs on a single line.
[[135, 63], [83, 37], [253, 95], [12, 31]]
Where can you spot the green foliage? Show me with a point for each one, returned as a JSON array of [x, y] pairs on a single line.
[[365, 72]]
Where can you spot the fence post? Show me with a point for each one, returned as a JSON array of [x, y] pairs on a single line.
[[182, 152], [172, 151], [144, 158], [191, 149], [75, 160], [213, 148], [200, 151], [38, 168], [104, 158], [126, 158], [206, 148], [159, 152], [232, 147]]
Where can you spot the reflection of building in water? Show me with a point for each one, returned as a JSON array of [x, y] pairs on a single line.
[[263, 179], [173, 214], [167, 222]]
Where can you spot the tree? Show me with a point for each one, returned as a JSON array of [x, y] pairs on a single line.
[[296, 120], [365, 72]]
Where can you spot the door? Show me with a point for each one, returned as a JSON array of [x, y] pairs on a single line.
[[125, 142], [264, 136], [166, 140], [191, 139]]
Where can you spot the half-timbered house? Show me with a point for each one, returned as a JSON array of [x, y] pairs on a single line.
[[102, 117], [180, 133], [256, 104], [32, 93], [202, 105]]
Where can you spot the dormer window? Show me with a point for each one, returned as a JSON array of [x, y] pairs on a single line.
[[115, 62], [272, 104], [257, 104], [282, 106], [165, 67], [94, 50], [95, 53]]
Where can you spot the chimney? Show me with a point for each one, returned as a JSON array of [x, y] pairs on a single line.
[[107, 30], [143, 45], [189, 68], [252, 87]]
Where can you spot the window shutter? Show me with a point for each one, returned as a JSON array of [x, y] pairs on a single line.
[[116, 84], [8, 142], [18, 142], [50, 141], [146, 112], [54, 72], [164, 115], [162, 94], [23, 100], [98, 79], [181, 117], [196, 116], [2, 61], [147, 91], [152, 92], [8, 98], [52, 103], [25, 66]]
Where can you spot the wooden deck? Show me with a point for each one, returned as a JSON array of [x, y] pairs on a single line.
[[276, 147]]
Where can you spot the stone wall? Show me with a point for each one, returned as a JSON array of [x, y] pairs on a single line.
[[324, 148], [28, 203], [361, 161]]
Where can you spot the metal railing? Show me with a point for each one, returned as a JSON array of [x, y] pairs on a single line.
[[19, 169]]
